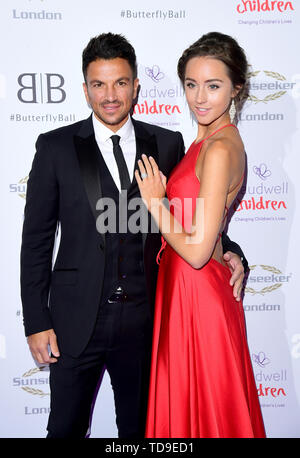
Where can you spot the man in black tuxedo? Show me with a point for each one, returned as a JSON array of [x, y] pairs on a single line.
[[94, 307]]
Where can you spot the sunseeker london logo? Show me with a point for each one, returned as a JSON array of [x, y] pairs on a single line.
[[264, 6], [264, 279], [267, 92], [34, 381], [266, 86], [20, 187], [36, 14], [35, 385], [40, 15]]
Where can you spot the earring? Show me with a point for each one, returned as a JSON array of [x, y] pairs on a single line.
[[232, 111]]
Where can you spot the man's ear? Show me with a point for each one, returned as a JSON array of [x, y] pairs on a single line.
[[136, 84], [85, 90]]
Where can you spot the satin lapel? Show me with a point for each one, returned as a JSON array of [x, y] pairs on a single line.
[[145, 144], [88, 158]]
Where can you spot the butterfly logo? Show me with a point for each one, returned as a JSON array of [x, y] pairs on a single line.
[[262, 171], [260, 359], [154, 73]]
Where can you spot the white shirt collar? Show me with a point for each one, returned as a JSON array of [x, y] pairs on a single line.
[[103, 133]]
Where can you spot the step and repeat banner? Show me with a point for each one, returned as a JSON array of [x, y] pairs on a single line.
[[41, 89]]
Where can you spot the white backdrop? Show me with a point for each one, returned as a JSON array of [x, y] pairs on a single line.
[[41, 89]]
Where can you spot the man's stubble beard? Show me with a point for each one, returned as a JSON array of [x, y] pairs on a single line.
[[108, 122]]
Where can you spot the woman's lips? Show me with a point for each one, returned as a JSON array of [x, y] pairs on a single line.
[[202, 111]]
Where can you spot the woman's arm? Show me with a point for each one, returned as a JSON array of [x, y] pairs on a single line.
[[196, 246]]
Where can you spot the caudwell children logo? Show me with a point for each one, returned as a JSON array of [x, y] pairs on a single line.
[[264, 5], [158, 95], [154, 73], [271, 384], [262, 171]]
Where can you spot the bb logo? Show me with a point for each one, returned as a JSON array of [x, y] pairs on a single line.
[[41, 88]]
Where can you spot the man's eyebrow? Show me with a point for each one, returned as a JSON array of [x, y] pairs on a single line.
[[122, 78]]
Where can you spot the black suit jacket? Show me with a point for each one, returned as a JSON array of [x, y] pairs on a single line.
[[63, 188]]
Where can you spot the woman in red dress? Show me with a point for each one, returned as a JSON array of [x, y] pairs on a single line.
[[202, 382]]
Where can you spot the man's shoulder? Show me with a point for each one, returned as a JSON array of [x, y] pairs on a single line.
[[153, 129], [64, 131]]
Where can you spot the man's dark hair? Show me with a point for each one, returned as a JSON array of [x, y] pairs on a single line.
[[109, 46]]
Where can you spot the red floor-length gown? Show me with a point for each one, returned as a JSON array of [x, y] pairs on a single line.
[[202, 382]]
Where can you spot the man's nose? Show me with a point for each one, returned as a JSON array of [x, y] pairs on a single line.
[[110, 93]]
